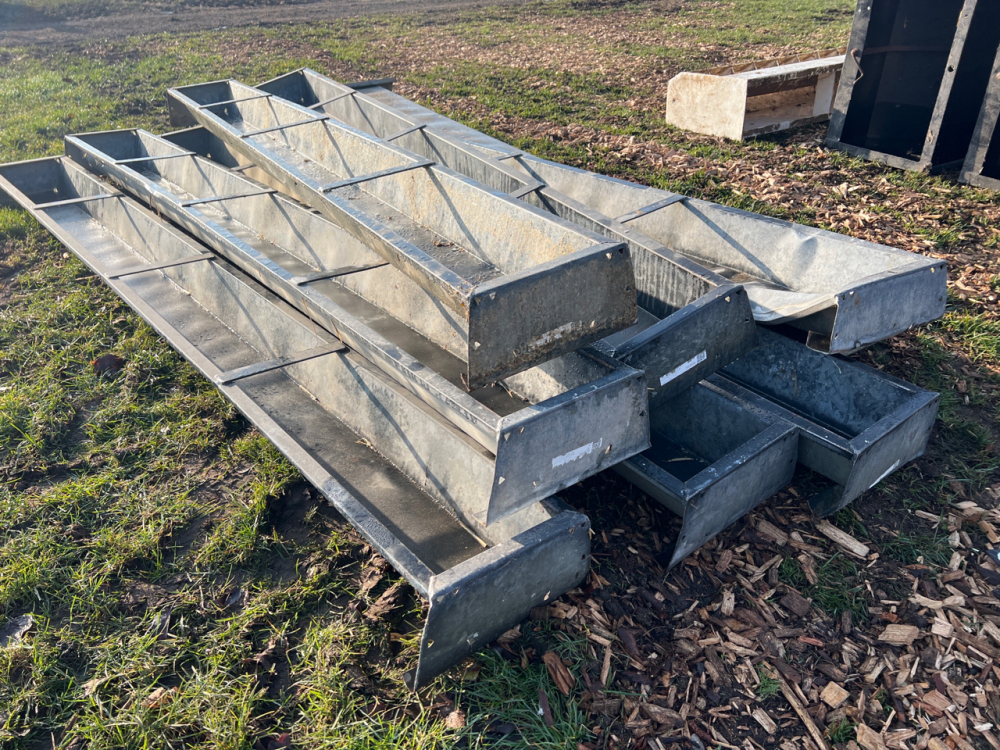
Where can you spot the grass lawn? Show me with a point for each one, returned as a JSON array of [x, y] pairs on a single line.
[[187, 589]]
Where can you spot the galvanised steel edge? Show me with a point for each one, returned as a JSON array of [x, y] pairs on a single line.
[[846, 293], [693, 321], [528, 286], [589, 411], [914, 77], [856, 425], [982, 163], [297, 385], [715, 457]]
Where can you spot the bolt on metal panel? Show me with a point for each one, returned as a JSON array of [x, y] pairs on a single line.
[[495, 261], [857, 425], [846, 293], [696, 321], [589, 411], [278, 368], [914, 77], [982, 162], [715, 457]]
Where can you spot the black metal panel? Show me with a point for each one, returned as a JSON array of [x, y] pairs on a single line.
[[914, 76], [982, 163]]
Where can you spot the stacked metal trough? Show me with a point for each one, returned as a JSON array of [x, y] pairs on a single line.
[[494, 327]]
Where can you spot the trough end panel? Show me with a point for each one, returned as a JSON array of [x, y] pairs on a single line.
[[477, 600], [530, 317], [546, 448], [748, 477]]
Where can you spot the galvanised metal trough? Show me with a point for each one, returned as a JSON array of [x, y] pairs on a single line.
[[982, 163], [527, 286], [846, 293], [693, 321], [314, 397], [714, 458], [913, 81], [856, 425], [751, 460], [587, 411]]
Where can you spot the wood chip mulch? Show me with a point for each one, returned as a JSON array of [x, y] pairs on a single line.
[[719, 653]]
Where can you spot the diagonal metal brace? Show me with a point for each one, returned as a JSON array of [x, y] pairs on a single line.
[[234, 101], [376, 175], [135, 159], [216, 198], [258, 368], [530, 188], [407, 131], [132, 270], [71, 201], [283, 127], [645, 210], [334, 273], [332, 99]]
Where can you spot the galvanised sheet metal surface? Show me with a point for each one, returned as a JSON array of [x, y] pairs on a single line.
[[527, 286], [856, 425], [846, 293], [982, 163], [694, 321], [914, 80], [589, 411], [715, 457], [282, 373]]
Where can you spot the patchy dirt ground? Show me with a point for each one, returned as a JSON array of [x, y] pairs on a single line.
[[87, 22]]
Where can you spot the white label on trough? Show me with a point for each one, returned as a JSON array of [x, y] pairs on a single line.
[[887, 473], [576, 455], [681, 369]]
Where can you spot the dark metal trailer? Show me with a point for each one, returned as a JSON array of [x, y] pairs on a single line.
[[982, 163], [913, 81]]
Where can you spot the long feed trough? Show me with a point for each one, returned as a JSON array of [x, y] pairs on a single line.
[[846, 293], [587, 411], [692, 322], [526, 285], [913, 81], [313, 397], [856, 425], [982, 163]]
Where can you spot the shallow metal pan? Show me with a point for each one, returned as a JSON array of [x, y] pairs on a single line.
[[715, 457], [857, 425]]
